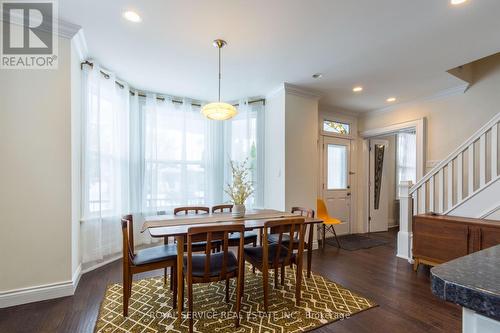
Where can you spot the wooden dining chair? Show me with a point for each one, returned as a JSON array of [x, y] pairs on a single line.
[[191, 210], [234, 238], [329, 222], [278, 254], [305, 212], [158, 257], [212, 267], [198, 210]]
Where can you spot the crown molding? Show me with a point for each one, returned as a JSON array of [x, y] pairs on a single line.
[[63, 29], [299, 91], [80, 44], [453, 91]]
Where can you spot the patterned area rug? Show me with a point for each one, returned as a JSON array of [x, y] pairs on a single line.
[[150, 309]]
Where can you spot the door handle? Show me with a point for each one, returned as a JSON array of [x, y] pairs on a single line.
[[348, 194]]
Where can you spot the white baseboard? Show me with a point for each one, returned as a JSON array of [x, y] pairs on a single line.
[[42, 292], [36, 294]]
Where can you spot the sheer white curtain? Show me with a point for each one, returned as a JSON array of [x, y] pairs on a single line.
[[105, 196], [144, 155], [244, 140], [178, 160], [406, 159]]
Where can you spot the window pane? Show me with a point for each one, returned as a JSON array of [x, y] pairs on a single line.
[[337, 167], [336, 127]]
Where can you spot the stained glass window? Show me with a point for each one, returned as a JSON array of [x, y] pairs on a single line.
[[336, 127]]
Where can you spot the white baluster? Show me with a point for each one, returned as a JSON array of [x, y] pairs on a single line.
[[482, 160], [450, 184], [440, 183], [422, 197], [460, 176], [470, 169], [494, 151], [431, 194], [415, 202]]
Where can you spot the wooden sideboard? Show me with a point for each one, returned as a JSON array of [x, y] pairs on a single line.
[[441, 238]]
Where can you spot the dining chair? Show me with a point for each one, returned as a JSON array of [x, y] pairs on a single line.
[[197, 210], [213, 267], [234, 238], [328, 222], [190, 210], [158, 257], [305, 212], [278, 254]]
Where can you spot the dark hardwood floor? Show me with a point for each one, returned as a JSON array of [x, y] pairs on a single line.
[[406, 303]]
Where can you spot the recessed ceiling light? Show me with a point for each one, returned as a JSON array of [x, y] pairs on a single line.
[[391, 99], [317, 76], [457, 2], [132, 16], [357, 89]]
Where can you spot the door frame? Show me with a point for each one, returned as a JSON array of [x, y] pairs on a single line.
[[419, 125], [352, 174]]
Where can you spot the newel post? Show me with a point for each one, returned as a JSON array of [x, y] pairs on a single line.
[[405, 234]]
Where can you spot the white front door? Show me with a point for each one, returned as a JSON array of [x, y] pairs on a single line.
[[379, 214], [336, 181]]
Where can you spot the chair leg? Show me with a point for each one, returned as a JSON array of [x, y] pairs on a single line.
[[265, 284], [283, 275], [239, 294], [324, 237], [172, 277], [190, 305], [336, 238], [125, 293], [227, 290], [165, 276], [253, 269], [173, 283]]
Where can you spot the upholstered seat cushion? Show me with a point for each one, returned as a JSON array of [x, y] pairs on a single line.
[[255, 254], [216, 260], [155, 254], [249, 235], [273, 238]]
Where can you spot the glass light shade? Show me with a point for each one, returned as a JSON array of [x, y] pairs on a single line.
[[219, 111]]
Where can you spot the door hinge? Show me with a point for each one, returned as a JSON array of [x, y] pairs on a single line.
[[369, 218], [323, 186]]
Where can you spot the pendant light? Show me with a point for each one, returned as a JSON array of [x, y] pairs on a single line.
[[219, 110]]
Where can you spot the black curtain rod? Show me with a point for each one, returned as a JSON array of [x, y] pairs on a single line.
[[106, 75]]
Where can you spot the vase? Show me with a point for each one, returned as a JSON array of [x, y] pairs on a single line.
[[238, 211]]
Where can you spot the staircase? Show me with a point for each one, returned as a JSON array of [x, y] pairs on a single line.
[[466, 183]]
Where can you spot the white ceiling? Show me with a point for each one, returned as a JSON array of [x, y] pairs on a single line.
[[396, 48]]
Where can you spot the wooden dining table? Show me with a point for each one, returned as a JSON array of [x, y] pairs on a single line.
[[162, 226]]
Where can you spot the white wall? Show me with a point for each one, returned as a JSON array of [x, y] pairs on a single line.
[[35, 196], [274, 160], [291, 141], [76, 142], [301, 150], [453, 119], [39, 173]]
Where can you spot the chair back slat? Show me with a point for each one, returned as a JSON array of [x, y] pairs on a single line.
[[190, 210], [222, 208]]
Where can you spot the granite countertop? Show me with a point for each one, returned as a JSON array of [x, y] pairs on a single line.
[[472, 281]]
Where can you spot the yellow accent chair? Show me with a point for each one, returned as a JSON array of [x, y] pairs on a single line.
[[328, 222]]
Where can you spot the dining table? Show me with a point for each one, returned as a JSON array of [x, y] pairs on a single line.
[[177, 226]]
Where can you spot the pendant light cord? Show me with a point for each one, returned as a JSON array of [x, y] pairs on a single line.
[[219, 72]]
